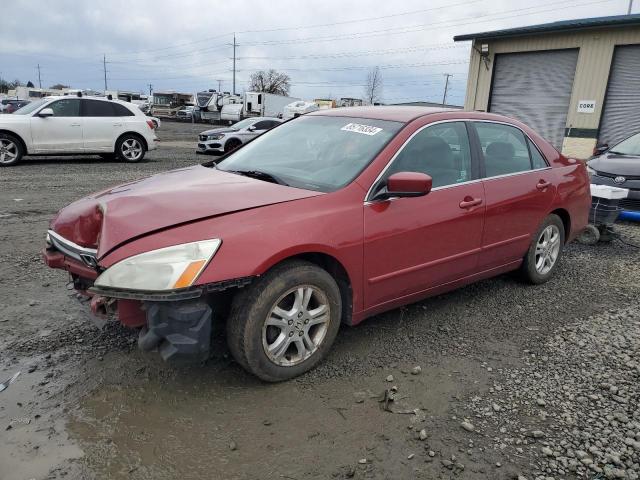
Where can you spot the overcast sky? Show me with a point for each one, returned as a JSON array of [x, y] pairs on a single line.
[[326, 46]]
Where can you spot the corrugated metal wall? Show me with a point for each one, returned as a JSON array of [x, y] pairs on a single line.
[[592, 72], [535, 88], [621, 115]]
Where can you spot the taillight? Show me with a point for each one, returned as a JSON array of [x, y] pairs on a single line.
[[150, 123]]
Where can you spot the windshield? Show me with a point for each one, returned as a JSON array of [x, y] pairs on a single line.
[[630, 146], [243, 123], [315, 153], [31, 107]]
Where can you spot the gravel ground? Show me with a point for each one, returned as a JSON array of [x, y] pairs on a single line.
[[513, 380]]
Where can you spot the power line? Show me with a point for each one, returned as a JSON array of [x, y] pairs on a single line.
[[436, 46], [519, 12], [307, 27]]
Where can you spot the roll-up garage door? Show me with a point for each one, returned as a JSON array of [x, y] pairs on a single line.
[[535, 88], [621, 115]]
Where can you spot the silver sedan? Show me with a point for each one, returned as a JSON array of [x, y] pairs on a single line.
[[226, 139]]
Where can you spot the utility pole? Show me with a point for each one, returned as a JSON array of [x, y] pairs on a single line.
[[630, 7], [39, 78], [234, 63], [104, 66], [219, 85], [150, 89], [446, 87]]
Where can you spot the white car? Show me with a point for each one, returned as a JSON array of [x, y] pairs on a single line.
[[76, 125]]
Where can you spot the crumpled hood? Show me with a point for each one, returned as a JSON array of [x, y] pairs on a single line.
[[108, 218], [623, 165]]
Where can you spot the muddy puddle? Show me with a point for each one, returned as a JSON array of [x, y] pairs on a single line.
[[33, 438], [228, 425]]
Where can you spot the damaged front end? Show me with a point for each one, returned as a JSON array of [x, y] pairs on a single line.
[[153, 291]]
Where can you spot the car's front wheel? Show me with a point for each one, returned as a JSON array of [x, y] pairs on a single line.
[[130, 148], [11, 151], [545, 250], [231, 145], [284, 323]]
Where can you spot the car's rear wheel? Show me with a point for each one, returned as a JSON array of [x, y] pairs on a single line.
[[231, 145], [11, 151], [543, 256], [284, 323], [130, 148]]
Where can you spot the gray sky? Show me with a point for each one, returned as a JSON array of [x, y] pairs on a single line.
[[325, 46]]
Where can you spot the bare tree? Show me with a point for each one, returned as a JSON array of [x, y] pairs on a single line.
[[270, 81], [373, 88]]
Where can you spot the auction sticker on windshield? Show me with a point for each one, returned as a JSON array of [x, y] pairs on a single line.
[[359, 128]]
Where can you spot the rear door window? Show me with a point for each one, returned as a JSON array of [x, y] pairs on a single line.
[[504, 149], [97, 108]]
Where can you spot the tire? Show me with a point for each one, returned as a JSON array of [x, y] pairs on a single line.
[[589, 236], [231, 145], [545, 251], [11, 150], [292, 343], [130, 148]]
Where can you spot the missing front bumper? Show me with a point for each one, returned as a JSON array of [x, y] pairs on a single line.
[[181, 331]]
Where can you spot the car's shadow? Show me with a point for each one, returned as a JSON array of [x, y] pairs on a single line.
[[72, 160]]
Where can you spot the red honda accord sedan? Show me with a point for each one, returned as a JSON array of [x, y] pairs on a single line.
[[326, 219]]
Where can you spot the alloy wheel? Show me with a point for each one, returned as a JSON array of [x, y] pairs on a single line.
[[131, 149], [547, 249], [8, 151], [296, 325]]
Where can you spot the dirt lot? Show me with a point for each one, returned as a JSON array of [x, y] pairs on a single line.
[[541, 382]]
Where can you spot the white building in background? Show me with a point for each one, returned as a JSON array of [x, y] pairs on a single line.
[[31, 93]]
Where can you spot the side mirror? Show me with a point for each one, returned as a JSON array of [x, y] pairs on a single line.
[[600, 149], [46, 112], [406, 184], [251, 128]]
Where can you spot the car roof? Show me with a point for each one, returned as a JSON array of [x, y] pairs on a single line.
[[387, 112], [86, 97]]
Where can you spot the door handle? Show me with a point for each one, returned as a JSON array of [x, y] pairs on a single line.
[[470, 202], [75, 124], [117, 124], [542, 184]]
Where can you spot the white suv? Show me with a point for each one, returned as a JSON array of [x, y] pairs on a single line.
[[76, 125]]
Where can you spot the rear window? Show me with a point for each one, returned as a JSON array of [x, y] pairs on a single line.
[[122, 111]]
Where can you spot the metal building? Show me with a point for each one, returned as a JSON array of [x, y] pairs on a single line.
[[576, 82]]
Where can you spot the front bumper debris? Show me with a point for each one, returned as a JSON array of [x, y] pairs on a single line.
[[181, 331]]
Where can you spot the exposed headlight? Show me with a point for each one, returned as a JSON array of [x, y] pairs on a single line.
[[163, 269], [590, 171], [215, 136]]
